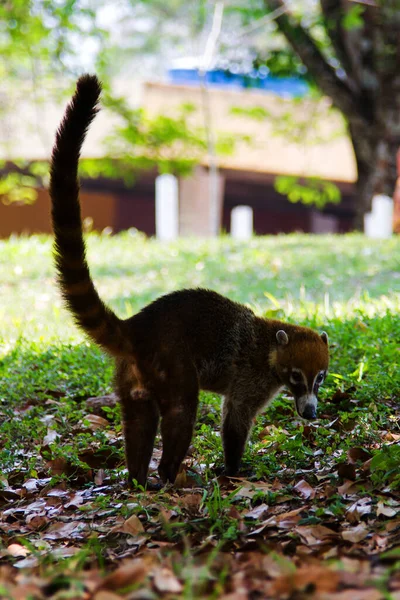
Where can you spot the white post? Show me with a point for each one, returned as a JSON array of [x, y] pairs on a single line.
[[167, 211], [378, 223], [242, 222]]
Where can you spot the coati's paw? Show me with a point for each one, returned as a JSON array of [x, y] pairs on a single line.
[[167, 473], [230, 471], [219, 470]]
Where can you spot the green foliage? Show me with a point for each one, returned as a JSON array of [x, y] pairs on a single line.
[[46, 362], [48, 370], [311, 191], [51, 33], [385, 465], [258, 113], [15, 187], [353, 18]]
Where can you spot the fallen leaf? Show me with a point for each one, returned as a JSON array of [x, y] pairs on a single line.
[[61, 531], [51, 437], [355, 534], [37, 522], [357, 454], [106, 595], [57, 466], [166, 582], [191, 502], [386, 511], [320, 579], [95, 422], [16, 550], [356, 594], [305, 490], [31, 485], [133, 525], [99, 477], [348, 487], [259, 512], [129, 573], [96, 405], [358, 509], [283, 521], [75, 500], [314, 535], [248, 489]]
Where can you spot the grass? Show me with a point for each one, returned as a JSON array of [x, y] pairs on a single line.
[[348, 286]]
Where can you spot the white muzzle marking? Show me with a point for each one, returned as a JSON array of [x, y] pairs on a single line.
[[308, 400]]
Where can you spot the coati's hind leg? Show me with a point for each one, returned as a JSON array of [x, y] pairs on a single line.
[[237, 419], [177, 425], [140, 420]]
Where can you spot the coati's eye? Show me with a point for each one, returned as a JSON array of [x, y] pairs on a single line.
[[296, 377], [320, 378]]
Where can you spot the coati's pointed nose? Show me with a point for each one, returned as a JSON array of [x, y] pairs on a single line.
[[309, 412]]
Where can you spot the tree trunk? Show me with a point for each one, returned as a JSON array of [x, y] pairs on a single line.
[[375, 151]]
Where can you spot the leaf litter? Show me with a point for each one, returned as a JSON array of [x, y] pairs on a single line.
[[326, 533]]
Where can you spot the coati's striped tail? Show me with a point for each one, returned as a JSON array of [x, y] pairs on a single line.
[[74, 279]]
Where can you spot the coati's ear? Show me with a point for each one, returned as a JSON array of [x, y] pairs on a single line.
[[324, 337], [282, 337]]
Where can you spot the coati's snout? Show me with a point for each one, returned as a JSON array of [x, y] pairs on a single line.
[[302, 363], [306, 407]]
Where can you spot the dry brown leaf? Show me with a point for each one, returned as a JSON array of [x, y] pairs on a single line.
[[166, 582], [320, 578], [37, 522], [75, 500], [181, 480], [16, 550], [358, 509], [106, 595], [191, 502], [259, 512], [50, 437], [386, 511], [314, 535], [99, 477], [128, 573], [57, 466], [247, 489], [96, 422], [31, 485], [133, 525], [305, 490], [355, 594], [357, 454], [355, 534], [60, 531], [348, 487], [283, 521], [96, 404], [24, 591]]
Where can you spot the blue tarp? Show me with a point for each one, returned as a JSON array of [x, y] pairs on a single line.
[[282, 86]]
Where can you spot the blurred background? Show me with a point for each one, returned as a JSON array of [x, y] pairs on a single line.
[[237, 116]]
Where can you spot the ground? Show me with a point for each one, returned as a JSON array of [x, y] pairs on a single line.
[[316, 510]]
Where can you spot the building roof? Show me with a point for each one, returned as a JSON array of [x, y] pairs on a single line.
[[315, 146]]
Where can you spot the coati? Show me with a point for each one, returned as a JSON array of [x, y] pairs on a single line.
[[185, 341]]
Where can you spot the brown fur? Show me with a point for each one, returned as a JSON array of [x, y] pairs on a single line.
[[183, 342]]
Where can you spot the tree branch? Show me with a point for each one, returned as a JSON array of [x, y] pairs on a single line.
[[332, 11], [323, 73]]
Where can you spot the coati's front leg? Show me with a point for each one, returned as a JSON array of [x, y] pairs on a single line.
[[140, 420], [237, 418]]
